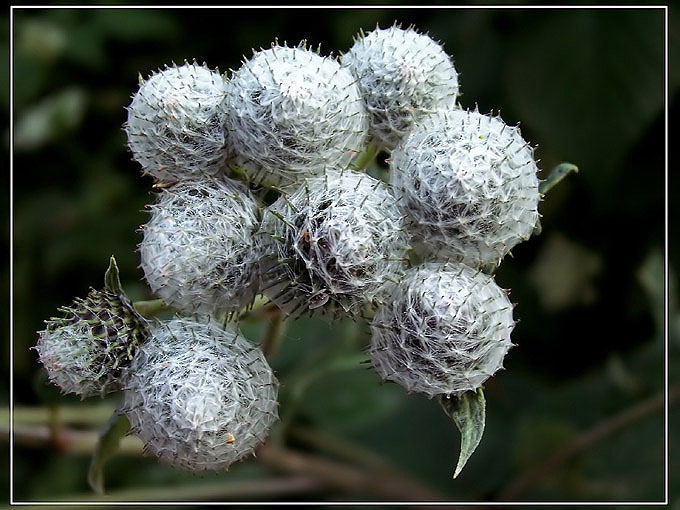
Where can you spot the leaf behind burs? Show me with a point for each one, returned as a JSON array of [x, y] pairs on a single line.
[[468, 412], [109, 440]]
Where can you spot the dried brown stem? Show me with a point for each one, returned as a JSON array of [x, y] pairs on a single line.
[[344, 477], [260, 489], [75, 442], [93, 415], [340, 448], [320, 472], [585, 441]]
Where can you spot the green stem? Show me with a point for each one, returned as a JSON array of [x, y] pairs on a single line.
[[149, 308], [365, 157], [273, 334], [107, 446]]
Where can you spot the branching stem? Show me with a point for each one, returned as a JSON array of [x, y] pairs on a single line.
[[318, 472], [585, 441]]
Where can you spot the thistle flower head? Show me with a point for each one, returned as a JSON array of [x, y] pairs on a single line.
[[85, 350], [444, 330], [334, 243], [198, 252], [401, 75], [468, 184], [199, 395], [290, 112], [175, 123]]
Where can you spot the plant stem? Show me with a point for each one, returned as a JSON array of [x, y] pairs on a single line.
[[149, 308], [54, 424], [73, 442], [339, 447], [344, 477], [273, 334], [324, 473], [365, 157], [93, 415], [585, 441], [259, 489]]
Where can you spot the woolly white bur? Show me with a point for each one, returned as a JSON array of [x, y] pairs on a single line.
[[73, 359], [200, 396], [334, 243], [198, 252], [290, 113], [401, 74], [175, 123], [444, 330], [468, 184]]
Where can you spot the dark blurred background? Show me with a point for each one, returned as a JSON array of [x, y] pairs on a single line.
[[588, 88]]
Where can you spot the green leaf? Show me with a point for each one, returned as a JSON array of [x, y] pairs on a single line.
[[131, 26], [574, 283], [349, 398], [46, 121], [588, 69], [468, 412], [558, 173], [650, 275], [109, 440], [112, 278]]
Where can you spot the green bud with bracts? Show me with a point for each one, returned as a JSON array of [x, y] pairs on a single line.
[[85, 350]]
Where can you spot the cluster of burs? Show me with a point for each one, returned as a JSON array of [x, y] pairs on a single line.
[[261, 191]]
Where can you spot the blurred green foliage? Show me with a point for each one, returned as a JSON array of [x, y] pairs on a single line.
[[588, 88]]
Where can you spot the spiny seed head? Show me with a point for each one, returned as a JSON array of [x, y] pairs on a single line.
[[401, 75], [468, 184], [200, 395], [198, 252], [290, 112], [175, 125], [334, 243], [444, 330], [85, 350]]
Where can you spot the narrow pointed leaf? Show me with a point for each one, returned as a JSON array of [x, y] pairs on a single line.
[[109, 441], [468, 412], [112, 279], [558, 173]]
